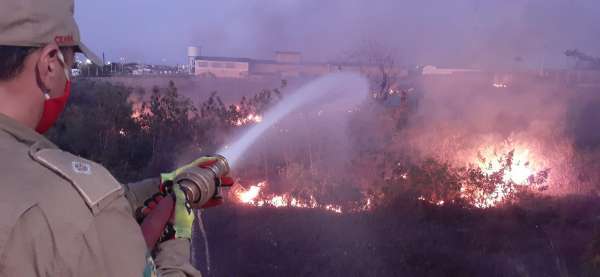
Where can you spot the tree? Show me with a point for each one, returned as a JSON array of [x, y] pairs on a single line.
[[169, 122], [582, 60], [379, 63], [98, 125]]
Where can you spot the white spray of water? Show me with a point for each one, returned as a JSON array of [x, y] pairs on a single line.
[[345, 88]]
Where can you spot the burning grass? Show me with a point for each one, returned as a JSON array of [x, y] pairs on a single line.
[[499, 177], [472, 202], [259, 196], [490, 182], [494, 178]]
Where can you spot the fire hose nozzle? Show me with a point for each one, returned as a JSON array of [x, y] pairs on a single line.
[[200, 184]]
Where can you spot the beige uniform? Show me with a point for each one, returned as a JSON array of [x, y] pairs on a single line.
[[61, 215]]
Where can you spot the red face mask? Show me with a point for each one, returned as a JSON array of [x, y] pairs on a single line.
[[53, 107]]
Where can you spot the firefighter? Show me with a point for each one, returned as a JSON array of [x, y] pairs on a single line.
[[61, 215]]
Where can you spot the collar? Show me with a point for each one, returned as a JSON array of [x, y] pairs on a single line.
[[23, 133]]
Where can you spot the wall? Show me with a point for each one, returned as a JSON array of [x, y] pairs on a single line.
[[222, 69]]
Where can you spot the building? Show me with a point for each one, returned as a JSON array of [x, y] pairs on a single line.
[[288, 57], [193, 54], [286, 70], [286, 64], [222, 67], [433, 70]]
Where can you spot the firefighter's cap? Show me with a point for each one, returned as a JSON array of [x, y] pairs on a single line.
[[36, 23]]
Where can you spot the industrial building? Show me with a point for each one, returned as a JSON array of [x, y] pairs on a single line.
[[285, 64]]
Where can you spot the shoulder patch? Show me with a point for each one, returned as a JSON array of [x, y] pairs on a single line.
[[93, 182]]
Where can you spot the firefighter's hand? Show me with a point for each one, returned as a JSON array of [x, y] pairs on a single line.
[[183, 216], [203, 162], [180, 223], [148, 206]]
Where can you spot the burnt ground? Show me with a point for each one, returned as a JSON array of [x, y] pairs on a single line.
[[537, 237]]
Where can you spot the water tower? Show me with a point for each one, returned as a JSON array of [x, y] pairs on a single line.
[[193, 53]]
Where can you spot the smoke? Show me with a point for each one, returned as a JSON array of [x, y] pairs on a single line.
[[302, 144], [452, 33], [459, 120], [345, 89]]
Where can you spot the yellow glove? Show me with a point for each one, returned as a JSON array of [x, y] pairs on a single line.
[[183, 216], [203, 161]]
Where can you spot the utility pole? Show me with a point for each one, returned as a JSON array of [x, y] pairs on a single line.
[[103, 63]]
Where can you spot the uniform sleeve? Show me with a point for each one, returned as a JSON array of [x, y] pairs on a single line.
[[31, 249], [138, 192], [173, 259]]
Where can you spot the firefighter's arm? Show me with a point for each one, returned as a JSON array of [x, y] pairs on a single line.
[[173, 259], [30, 247], [173, 256], [139, 192]]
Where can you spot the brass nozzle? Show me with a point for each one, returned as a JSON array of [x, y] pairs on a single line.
[[199, 184], [220, 167]]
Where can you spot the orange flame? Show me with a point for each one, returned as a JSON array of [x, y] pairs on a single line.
[[251, 118], [251, 194], [521, 169], [255, 196]]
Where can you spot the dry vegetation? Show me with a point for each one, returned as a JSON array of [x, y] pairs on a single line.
[[408, 231]]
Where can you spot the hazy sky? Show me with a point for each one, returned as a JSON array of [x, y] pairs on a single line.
[[442, 32]]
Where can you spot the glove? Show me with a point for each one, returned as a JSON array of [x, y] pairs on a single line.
[[203, 162], [149, 205], [200, 162], [183, 216], [165, 187], [180, 223]]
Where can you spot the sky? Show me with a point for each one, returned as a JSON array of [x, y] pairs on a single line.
[[459, 33]]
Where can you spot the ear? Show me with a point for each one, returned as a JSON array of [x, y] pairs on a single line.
[[49, 67]]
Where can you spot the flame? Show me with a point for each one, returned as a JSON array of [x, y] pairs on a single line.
[[437, 203], [136, 114], [138, 110], [518, 172], [507, 169], [499, 195], [256, 196], [251, 194], [251, 118], [517, 168], [495, 175]]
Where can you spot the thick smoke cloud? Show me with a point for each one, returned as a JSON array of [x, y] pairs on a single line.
[[452, 33], [551, 126]]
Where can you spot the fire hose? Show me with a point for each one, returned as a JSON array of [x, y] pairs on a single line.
[[200, 185]]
